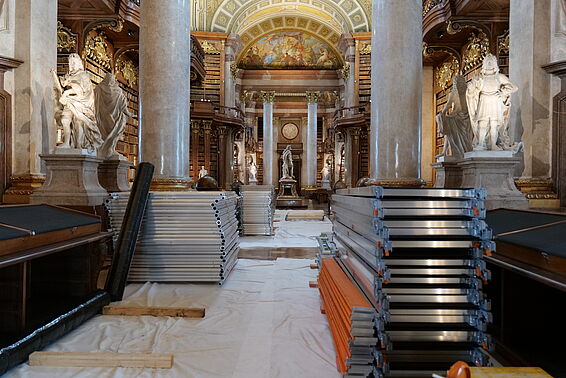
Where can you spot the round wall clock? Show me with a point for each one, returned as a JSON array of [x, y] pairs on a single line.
[[290, 131]]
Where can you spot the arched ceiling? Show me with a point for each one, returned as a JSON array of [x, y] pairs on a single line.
[[240, 16]]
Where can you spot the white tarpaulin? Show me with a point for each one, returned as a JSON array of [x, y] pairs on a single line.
[[263, 322], [297, 233]]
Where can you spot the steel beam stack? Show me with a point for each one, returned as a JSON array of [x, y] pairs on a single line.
[[184, 237], [258, 209], [417, 254]]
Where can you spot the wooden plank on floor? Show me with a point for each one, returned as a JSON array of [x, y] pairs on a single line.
[[176, 312], [131, 360], [313, 284], [314, 266], [508, 372]]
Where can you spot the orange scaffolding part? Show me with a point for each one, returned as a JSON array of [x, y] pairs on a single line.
[[339, 296]]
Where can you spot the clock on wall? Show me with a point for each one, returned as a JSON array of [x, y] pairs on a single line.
[[290, 131]]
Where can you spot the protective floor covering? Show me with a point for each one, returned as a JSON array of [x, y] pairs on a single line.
[[296, 233], [263, 322]]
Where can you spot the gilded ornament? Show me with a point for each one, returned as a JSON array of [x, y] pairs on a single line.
[[66, 39], [312, 96], [97, 49], [268, 96], [234, 69], [503, 43], [128, 70], [428, 5], [364, 48], [345, 71], [446, 71], [455, 27], [209, 48], [475, 51]]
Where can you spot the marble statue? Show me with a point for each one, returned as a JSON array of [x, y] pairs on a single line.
[[76, 107], [454, 121], [203, 172], [325, 172], [488, 96], [111, 115], [252, 177], [287, 158]]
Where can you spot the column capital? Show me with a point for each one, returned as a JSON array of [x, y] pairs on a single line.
[[268, 96], [221, 130], [312, 96], [207, 126]]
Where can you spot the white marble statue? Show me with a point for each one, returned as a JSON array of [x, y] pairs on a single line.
[[252, 177], [325, 172], [454, 121], [287, 157], [203, 172], [111, 115], [76, 109], [488, 96]]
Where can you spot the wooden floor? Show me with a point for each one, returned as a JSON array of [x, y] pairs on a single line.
[[265, 253]]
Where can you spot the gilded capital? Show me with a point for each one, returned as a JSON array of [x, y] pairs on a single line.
[[312, 96], [268, 96]]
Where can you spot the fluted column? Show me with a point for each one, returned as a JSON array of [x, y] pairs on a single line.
[[195, 131], [165, 64], [396, 69], [268, 99], [311, 171]]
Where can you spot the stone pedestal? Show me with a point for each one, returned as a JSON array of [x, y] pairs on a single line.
[[253, 182], [72, 179], [325, 184], [448, 174], [495, 174], [288, 196], [113, 175]]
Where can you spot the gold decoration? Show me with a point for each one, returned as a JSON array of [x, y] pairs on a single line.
[[446, 71], [312, 96], [536, 188], [171, 185], [268, 96], [345, 71], [22, 187], [97, 49], [209, 48], [474, 52], [395, 183], [66, 39], [428, 5], [128, 70], [503, 43], [455, 27], [234, 69], [364, 48]]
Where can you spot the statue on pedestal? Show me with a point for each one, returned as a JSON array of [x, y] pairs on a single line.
[[287, 158], [76, 111], [203, 172], [488, 96], [252, 177], [111, 114], [454, 121]]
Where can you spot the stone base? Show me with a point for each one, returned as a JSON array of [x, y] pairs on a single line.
[[72, 180], [325, 184], [292, 203], [113, 175], [287, 189], [253, 182], [448, 174], [495, 174], [22, 187]]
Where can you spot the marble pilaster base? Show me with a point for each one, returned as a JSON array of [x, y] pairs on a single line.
[[495, 174], [448, 174], [113, 175], [72, 180]]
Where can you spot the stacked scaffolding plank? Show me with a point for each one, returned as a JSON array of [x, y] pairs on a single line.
[[351, 319], [258, 209], [184, 237], [417, 255]]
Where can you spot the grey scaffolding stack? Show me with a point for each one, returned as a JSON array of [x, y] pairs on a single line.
[[417, 254], [258, 209], [184, 237]]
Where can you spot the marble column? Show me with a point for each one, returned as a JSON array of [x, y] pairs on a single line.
[[529, 41], [32, 38], [229, 73], [268, 98], [207, 140], [311, 171], [396, 69], [165, 64], [222, 133]]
